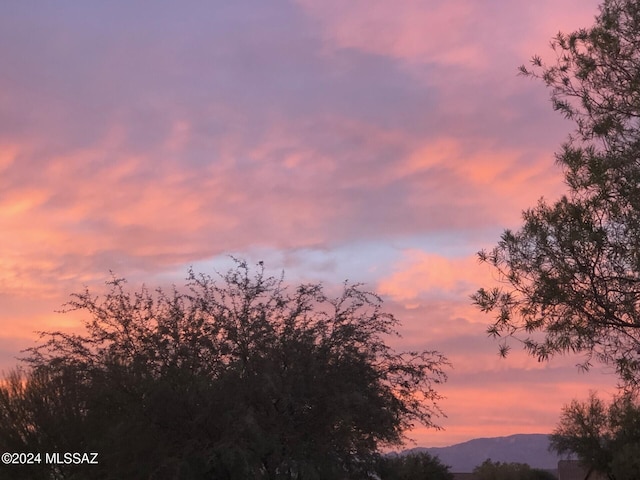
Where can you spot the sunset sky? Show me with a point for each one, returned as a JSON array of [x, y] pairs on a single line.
[[383, 142]]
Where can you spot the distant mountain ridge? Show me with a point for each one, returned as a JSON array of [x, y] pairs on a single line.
[[532, 449]]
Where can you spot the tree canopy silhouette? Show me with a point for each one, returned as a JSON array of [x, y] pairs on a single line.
[[412, 466], [489, 470], [237, 376], [606, 438], [572, 271]]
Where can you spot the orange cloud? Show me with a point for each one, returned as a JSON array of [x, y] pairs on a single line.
[[487, 175], [503, 406], [421, 273]]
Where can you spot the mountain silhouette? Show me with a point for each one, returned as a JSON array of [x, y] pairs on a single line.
[[532, 449]]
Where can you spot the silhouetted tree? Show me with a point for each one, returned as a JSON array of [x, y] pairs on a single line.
[[413, 466], [606, 438], [572, 271], [237, 377], [489, 470]]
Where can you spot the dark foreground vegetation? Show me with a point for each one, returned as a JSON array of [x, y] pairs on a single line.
[[413, 466], [606, 437], [236, 377], [489, 470]]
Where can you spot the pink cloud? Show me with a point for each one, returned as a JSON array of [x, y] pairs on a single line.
[[463, 33], [410, 30], [423, 274]]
